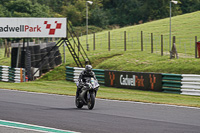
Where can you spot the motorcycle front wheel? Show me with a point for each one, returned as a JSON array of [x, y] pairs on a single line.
[[91, 101], [78, 103]]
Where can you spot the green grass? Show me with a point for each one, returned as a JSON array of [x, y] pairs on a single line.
[[184, 27], [69, 88], [4, 61]]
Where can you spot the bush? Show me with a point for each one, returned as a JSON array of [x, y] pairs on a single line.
[[91, 29]]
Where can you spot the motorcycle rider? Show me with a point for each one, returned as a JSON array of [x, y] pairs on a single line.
[[85, 73]]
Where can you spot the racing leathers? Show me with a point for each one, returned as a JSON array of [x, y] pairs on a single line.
[[82, 79]]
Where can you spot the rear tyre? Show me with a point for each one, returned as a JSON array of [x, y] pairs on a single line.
[[91, 101]]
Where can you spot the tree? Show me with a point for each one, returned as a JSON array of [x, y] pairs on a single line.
[[73, 14], [38, 10], [4, 12], [98, 17], [190, 5], [25, 8], [123, 12], [158, 9], [21, 6]]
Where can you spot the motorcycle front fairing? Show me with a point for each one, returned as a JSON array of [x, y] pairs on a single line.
[[87, 93]]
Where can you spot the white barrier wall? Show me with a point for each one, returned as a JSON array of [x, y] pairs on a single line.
[[77, 72], [8, 74], [190, 84]]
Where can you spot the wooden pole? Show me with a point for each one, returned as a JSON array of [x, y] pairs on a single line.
[[141, 40], [195, 46], [109, 41], [94, 41], [174, 39], [8, 47], [151, 42], [5, 48], [124, 40], [161, 45]]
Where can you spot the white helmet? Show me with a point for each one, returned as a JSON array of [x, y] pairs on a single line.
[[88, 68]]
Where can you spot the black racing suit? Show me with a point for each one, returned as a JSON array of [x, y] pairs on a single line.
[[82, 78]]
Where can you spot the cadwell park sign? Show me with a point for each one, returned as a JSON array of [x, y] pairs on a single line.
[[32, 27], [134, 80]]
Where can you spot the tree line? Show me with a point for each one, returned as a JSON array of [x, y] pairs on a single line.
[[101, 13]]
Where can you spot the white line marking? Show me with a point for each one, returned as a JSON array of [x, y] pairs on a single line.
[[24, 126], [179, 106], [24, 129]]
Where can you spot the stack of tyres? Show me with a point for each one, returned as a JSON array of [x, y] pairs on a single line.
[[28, 64], [22, 62], [51, 57], [14, 57], [31, 48], [37, 55], [58, 59], [45, 62]]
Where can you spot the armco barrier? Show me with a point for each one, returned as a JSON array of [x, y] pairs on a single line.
[[171, 83], [190, 84], [186, 84], [72, 74], [8, 74]]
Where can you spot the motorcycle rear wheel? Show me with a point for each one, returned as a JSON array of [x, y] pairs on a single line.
[[91, 101]]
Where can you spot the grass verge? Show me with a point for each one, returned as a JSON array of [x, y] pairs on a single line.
[[68, 88]]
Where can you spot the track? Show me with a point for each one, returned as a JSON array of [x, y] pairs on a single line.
[[58, 111]]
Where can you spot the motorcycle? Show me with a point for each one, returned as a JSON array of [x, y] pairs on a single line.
[[87, 94]]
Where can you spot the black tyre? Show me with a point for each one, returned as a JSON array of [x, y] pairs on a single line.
[[79, 104], [91, 101]]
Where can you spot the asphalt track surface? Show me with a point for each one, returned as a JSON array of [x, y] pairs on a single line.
[[59, 111]]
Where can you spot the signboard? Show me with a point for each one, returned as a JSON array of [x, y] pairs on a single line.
[[32, 27], [133, 80]]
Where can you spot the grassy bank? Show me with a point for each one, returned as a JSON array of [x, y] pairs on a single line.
[[184, 27], [69, 88]]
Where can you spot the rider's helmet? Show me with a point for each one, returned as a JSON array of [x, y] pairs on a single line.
[[88, 68]]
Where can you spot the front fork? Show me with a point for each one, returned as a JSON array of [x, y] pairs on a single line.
[[89, 93], [88, 96]]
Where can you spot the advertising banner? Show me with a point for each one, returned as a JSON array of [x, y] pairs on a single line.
[[32, 27], [133, 80]]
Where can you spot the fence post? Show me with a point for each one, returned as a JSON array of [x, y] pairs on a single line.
[[174, 39], [94, 41], [124, 40], [141, 40], [151, 42], [109, 41], [5, 54], [9, 49], [195, 46], [161, 45]]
